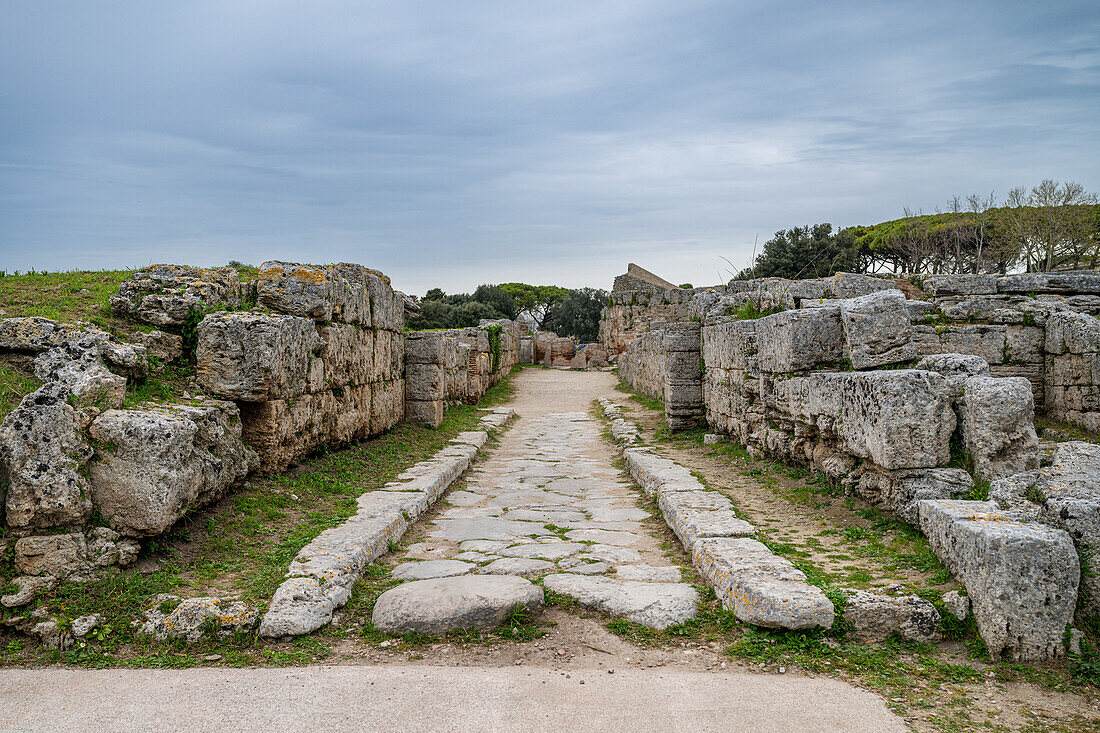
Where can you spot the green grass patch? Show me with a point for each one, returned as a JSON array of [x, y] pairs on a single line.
[[14, 385]]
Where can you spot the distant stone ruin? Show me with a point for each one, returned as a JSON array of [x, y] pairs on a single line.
[[637, 279], [912, 395]]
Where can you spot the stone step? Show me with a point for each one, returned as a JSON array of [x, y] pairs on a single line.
[[434, 607]]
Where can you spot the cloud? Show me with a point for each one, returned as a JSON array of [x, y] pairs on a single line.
[[457, 143]]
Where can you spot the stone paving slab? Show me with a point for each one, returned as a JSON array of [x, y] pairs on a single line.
[[320, 578], [549, 502]]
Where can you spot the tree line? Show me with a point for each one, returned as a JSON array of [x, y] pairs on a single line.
[[546, 307], [1052, 226]]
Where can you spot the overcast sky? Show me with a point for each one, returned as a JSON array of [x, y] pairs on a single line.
[[455, 143]]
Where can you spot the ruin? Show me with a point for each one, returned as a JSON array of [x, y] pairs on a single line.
[[911, 394], [919, 396]]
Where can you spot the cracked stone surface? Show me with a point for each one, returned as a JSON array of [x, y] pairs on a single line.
[[549, 501]]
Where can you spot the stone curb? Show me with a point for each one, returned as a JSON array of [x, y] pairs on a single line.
[[321, 576], [758, 586]]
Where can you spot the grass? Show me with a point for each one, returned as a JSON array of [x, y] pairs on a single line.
[[14, 385], [1062, 431], [65, 296], [241, 547]]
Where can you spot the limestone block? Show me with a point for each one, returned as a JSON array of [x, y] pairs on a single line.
[[938, 285], [877, 329], [876, 617], [445, 604], [1080, 282], [348, 355], [1065, 495], [425, 347], [996, 419], [161, 345], [56, 555], [799, 340], [191, 619], [254, 357], [656, 605], [759, 587], [898, 418], [1021, 577], [424, 412], [901, 491], [691, 524], [78, 367], [42, 455], [155, 464], [989, 342], [1024, 343], [387, 405], [1072, 333], [956, 367], [167, 295]]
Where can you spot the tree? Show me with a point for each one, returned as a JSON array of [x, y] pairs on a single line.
[[434, 294], [534, 301], [497, 298], [1055, 223], [578, 314], [804, 252]]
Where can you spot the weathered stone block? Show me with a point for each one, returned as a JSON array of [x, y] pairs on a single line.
[[902, 491], [1072, 333], [798, 340], [42, 454], [1021, 577], [988, 342], [155, 464], [254, 357], [1080, 282], [167, 295], [348, 355], [387, 405], [759, 587], [997, 427], [876, 617], [939, 285], [897, 418], [424, 412], [877, 329], [424, 347]]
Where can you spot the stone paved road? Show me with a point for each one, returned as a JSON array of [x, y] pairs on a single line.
[[548, 501], [346, 698]]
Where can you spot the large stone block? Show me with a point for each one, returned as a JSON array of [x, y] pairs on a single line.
[[348, 355], [939, 285], [989, 342], [155, 464], [903, 490], [759, 587], [1072, 333], [425, 347], [898, 418], [167, 295], [877, 329], [1065, 495], [997, 429], [798, 340], [387, 405], [424, 412], [254, 357], [1085, 282], [42, 455], [424, 382], [1021, 577]]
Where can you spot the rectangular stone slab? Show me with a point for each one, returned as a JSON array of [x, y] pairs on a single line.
[[1021, 576], [759, 587]]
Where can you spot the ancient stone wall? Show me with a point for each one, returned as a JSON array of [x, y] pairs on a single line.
[[665, 364], [457, 365], [322, 364], [630, 313]]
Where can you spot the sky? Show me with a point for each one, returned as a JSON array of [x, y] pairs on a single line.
[[451, 144]]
